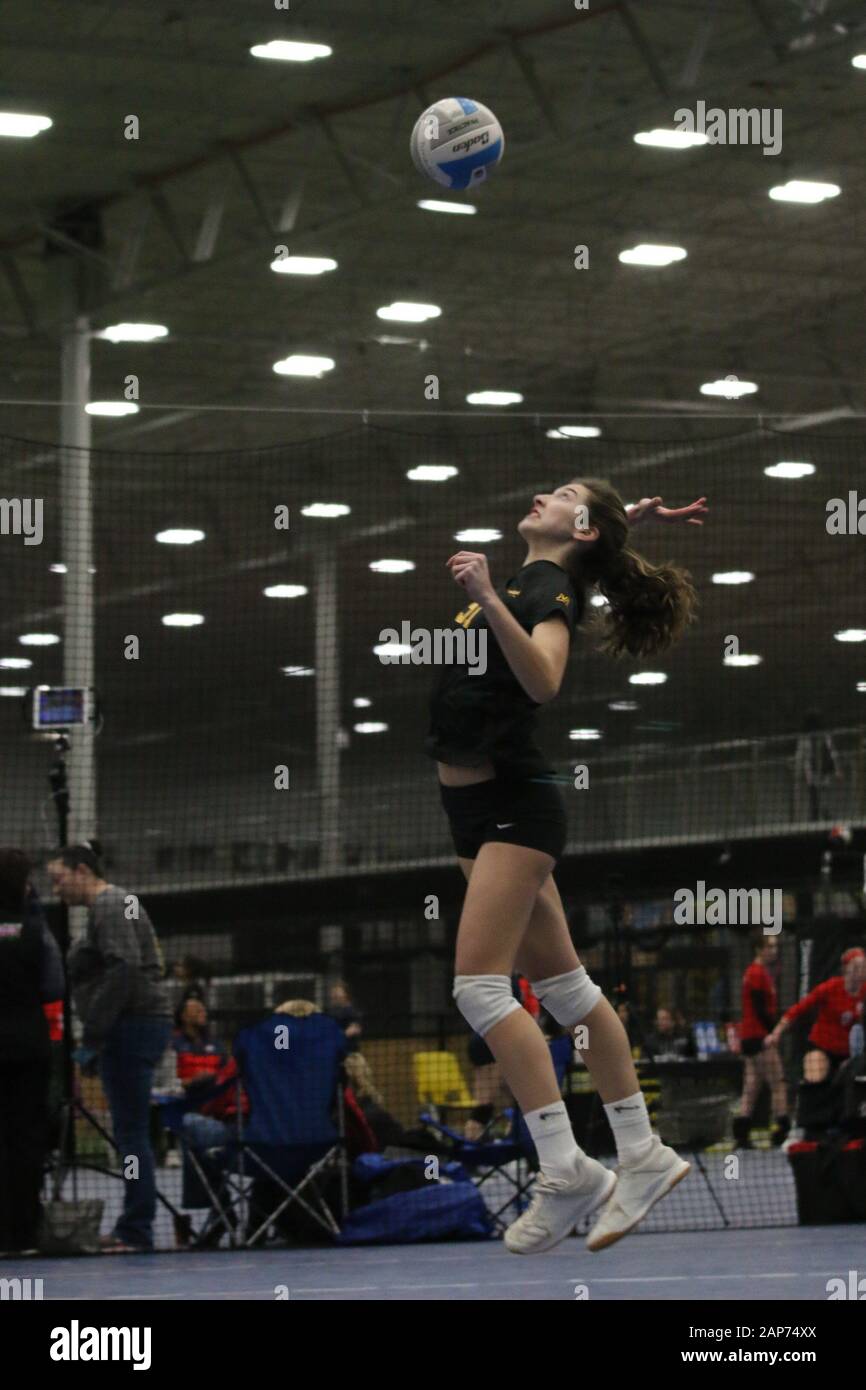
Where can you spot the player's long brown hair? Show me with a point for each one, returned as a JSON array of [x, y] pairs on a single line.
[[650, 605]]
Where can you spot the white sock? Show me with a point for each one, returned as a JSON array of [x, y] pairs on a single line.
[[552, 1135], [631, 1127]]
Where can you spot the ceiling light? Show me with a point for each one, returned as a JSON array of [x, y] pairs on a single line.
[[285, 591], [494, 398], [17, 125], [302, 265], [744, 659], [648, 254], [15, 663], [584, 734], [13, 691], [730, 387], [298, 670], [133, 332], [300, 365], [395, 340], [804, 191], [111, 408], [403, 311], [432, 473], [599, 601], [859, 60], [670, 139], [733, 577], [851, 634], [392, 566], [623, 706], [647, 678], [326, 509], [179, 536], [370, 728], [182, 619], [392, 650], [437, 205], [789, 470], [574, 432], [861, 685], [291, 51], [361, 702], [39, 639], [478, 533]]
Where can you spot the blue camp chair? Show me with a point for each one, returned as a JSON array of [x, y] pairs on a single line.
[[486, 1158], [291, 1070]]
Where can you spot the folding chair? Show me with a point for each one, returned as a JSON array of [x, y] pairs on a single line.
[[487, 1158], [440, 1084], [291, 1070]]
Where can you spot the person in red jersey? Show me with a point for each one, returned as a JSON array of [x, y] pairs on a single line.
[[761, 1067], [838, 1005]]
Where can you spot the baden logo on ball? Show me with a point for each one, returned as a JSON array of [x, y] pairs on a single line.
[[456, 142]]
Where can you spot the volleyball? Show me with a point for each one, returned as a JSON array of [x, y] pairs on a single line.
[[457, 142]]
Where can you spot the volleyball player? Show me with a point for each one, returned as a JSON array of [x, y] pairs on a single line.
[[508, 824], [837, 1005], [761, 1066]]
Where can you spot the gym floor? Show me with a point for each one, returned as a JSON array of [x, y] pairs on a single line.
[[713, 1266]]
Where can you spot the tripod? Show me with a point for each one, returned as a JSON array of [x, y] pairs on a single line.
[[72, 1107]]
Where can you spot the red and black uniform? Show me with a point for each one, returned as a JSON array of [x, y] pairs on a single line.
[[760, 1008], [837, 1012]]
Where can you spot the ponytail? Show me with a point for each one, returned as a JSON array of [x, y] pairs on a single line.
[[650, 605]]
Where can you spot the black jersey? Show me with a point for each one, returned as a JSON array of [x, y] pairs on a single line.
[[477, 718]]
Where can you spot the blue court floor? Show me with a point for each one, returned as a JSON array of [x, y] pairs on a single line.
[[715, 1266]]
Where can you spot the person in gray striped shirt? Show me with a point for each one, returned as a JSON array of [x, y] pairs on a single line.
[[116, 979]]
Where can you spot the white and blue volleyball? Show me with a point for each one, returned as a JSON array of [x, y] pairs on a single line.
[[457, 142]]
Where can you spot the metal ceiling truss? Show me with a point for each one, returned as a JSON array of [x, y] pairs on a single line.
[[200, 248]]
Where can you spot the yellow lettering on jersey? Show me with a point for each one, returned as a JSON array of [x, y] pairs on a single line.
[[515, 593], [563, 598], [468, 615]]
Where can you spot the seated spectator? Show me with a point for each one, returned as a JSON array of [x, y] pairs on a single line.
[[197, 1053], [667, 1042], [210, 1126], [631, 1023]]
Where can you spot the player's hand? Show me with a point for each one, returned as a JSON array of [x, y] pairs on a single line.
[[469, 568], [771, 1040], [693, 514]]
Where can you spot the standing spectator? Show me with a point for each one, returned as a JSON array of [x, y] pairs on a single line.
[[816, 765], [761, 1066], [342, 1010], [837, 1005], [116, 973], [31, 974]]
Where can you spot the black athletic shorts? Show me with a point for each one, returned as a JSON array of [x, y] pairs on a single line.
[[506, 810], [750, 1047]]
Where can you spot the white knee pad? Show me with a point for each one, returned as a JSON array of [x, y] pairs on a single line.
[[484, 1000], [568, 998]]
